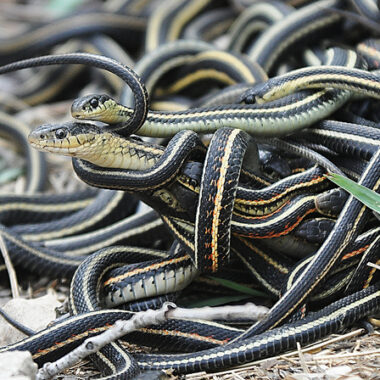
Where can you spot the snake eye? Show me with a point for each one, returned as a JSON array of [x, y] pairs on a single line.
[[94, 103], [60, 133]]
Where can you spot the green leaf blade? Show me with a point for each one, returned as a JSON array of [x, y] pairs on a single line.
[[217, 301], [238, 287], [367, 196]]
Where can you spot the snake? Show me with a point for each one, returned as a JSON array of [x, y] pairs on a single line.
[[126, 362], [176, 180]]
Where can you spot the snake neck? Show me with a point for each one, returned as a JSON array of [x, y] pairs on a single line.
[[111, 151], [120, 114]]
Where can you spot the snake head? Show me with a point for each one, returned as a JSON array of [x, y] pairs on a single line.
[[64, 138], [96, 108], [254, 94]]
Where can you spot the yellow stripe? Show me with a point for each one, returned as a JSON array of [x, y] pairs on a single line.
[[218, 199], [152, 116]]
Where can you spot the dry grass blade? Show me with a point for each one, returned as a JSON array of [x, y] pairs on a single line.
[[302, 359], [11, 272], [374, 266]]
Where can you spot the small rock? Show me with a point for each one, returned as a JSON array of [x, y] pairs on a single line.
[[35, 313], [17, 365], [268, 363]]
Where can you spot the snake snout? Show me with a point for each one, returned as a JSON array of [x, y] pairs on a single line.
[[38, 135]]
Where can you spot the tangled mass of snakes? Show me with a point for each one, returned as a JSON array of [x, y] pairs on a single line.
[[206, 131]]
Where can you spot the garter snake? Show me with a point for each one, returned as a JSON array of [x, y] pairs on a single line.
[[272, 270], [217, 66], [207, 231], [356, 80], [359, 140], [259, 16], [16, 130], [140, 159], [167, 23], [308, 179], [54, 341], [211, 25], [326, 256], [186, 363], [59, 140], [106, 207], [260, 346], [346, 228], [46, 84], [126, 74], [61, 257], [156, 64], [223, 353], [153, 166], [42, 37], [275, 224], [277, 118], [280, 117], [18, 209], [199, 60], [304, 24], [364, 242]]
